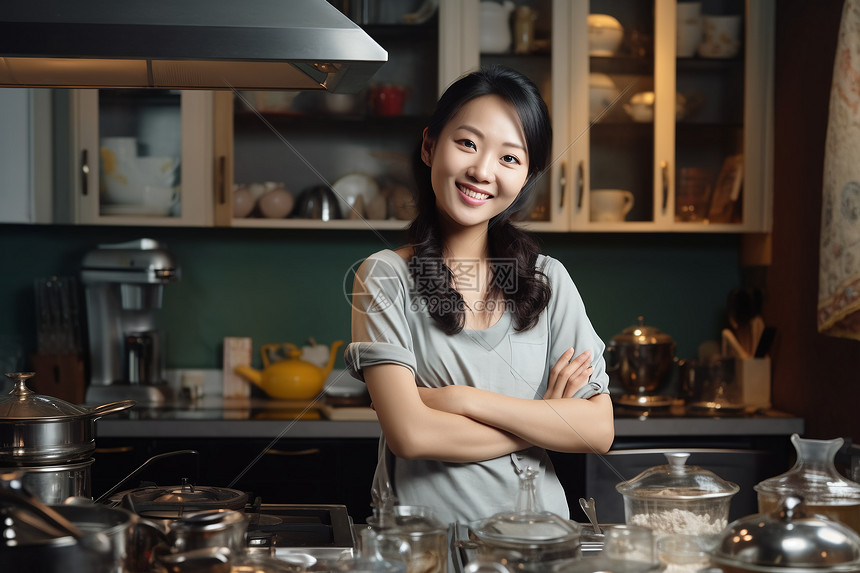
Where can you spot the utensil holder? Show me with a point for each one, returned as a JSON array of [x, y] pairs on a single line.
[[754, 377]]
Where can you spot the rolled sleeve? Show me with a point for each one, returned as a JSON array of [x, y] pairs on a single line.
[[380, 328]]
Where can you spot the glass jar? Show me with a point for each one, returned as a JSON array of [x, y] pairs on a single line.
[[814, 478], [677, 498]]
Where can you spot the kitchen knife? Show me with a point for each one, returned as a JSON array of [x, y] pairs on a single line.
[[765, 342]]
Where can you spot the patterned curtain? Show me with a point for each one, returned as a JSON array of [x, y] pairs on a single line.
[[839, 271]]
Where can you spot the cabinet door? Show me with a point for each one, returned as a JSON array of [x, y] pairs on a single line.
[[532, 37], [144, 157], [720, 178], [25, 155], [683, 143]]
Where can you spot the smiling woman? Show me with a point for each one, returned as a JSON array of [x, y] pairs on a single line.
[[465, 337]]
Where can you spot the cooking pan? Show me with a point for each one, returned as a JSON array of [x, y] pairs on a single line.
[[41, 430]]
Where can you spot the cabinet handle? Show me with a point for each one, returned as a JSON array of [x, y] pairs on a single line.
[[85, 171], [562, 182], [115, 450], [221, 180], [307, 452], [580, 184], [664, 168]]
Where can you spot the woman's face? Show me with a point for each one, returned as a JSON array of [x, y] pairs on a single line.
[[479, 162]]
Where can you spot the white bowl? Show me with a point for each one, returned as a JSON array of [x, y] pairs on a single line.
[[601, 93], [125, 182], [605, 34], [349, 187]]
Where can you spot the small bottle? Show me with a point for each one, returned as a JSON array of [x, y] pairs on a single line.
[[524, 30]]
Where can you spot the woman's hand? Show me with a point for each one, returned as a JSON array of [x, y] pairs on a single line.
[[568, 376]]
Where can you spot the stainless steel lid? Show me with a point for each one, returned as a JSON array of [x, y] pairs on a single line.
[[21, 403], [640, 334], [791, 539]]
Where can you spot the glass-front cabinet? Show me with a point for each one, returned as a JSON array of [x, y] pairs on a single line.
[[333, 160], [662, 110], [141, 157]]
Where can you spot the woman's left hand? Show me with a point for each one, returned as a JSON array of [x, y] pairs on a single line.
[[568, 375]]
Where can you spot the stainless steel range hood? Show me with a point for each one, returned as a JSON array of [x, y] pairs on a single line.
[[184, 44]]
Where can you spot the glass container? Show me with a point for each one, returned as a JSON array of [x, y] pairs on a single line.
[[413, 535], [677, 498], [814, 477], [528, 538]]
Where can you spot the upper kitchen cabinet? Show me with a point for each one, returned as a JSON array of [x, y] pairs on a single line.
[[661, 110], [317, 159], [141, 157]]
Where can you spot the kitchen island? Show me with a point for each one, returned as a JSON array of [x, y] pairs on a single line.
[[289, 452]]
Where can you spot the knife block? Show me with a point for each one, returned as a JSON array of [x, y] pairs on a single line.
[[60, 376]]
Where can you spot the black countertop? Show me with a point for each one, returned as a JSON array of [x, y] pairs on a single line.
[[214, 416]]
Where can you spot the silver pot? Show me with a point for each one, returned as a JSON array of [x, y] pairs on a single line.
[[131, 538], [641, 360], [35, 537], [55, 483], [318, 202], [41, 430]]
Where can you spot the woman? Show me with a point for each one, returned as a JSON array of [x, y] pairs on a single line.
[[465, 338]]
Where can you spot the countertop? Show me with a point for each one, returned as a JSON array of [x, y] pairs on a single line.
[[214, 416]]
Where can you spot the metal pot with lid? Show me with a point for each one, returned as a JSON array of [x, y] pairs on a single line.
[[37, 429], [641, 360], [787, 541]]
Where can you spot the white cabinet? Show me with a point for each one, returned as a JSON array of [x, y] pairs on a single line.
[[142, 157], [707, 140], [25, 155]]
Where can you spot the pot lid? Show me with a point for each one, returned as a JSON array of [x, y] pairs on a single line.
[[789, 538], [642, 334], [527, 525], [814, 475], [209, 520], [677, 481], [23, 403]]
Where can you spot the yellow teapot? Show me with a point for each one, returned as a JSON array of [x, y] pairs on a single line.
[[290, 379]]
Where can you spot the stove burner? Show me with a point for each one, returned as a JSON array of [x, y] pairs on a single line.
[[169, 502]]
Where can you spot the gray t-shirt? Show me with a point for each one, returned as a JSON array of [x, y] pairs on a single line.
[[390, 325]]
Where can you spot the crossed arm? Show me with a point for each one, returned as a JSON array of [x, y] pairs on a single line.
[[464, 424]]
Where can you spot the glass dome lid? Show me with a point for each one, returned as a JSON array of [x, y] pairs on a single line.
[[677, 481], [527, 524]]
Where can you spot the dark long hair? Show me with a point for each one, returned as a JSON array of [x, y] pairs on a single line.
[[513, 252]]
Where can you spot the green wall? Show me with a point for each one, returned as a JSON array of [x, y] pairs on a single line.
[[287, 285]]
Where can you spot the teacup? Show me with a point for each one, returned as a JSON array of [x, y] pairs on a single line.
[[610, 205]]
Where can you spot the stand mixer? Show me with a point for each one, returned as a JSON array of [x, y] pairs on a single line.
[[124, 283]]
